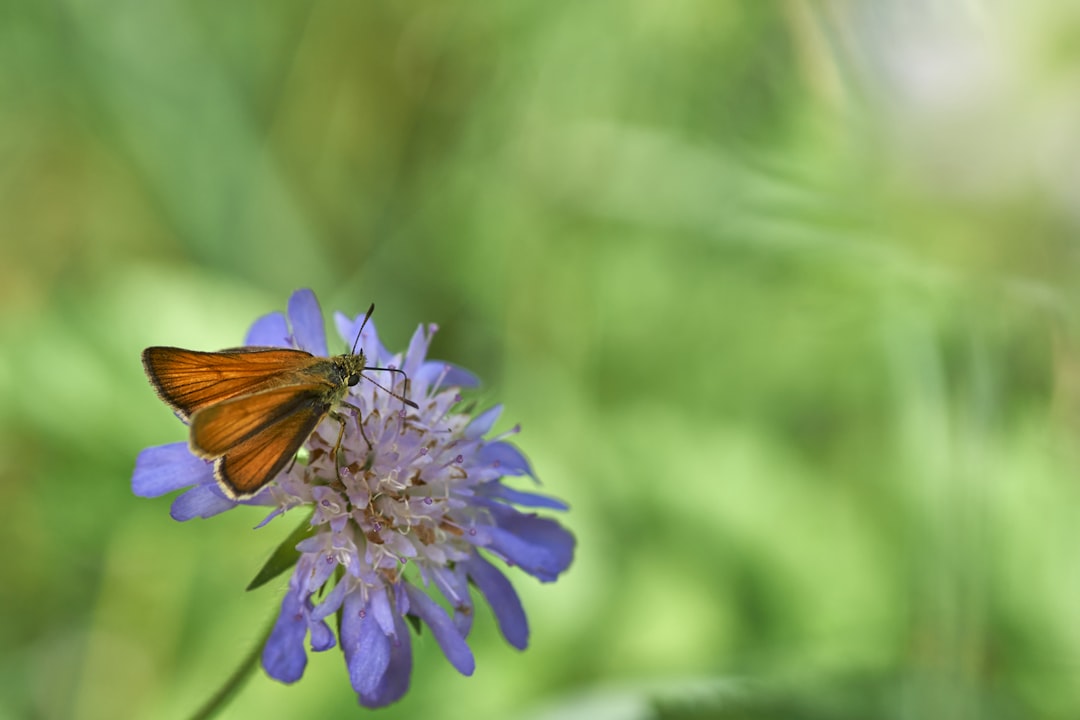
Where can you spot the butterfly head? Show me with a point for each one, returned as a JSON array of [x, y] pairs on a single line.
[[350, 365]]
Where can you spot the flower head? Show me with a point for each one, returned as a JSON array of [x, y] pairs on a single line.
[[412, 503]]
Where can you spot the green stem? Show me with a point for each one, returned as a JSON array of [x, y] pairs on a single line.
[[236, 680]]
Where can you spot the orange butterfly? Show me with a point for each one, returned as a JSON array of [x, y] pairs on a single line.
[[251, 409]]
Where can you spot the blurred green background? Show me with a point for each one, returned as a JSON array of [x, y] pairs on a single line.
[[783, 294]]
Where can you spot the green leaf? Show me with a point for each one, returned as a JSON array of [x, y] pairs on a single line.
[[284, 557]]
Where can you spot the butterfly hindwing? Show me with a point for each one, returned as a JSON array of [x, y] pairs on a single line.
[[253, 463], [217, 429]]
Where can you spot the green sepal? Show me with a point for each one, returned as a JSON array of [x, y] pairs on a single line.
[[415, 622], [284, 557]]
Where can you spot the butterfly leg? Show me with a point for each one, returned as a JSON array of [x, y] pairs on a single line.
[[341, 434], [336, 452], [359, 421]]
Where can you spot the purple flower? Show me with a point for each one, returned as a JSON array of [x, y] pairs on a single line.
[[419, 510]]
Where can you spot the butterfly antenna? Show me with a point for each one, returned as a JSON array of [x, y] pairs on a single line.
[[362, 324], [387, 390]]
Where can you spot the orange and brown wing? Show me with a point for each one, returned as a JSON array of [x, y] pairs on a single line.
[[189, 380], [220, 428], [246, 468], [253, 437]]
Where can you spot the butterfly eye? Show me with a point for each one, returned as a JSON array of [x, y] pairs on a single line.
[[353, 379]]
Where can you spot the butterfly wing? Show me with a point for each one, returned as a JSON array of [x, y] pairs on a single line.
[[189, 380], [217, 429], [246, 468], [253, 437]]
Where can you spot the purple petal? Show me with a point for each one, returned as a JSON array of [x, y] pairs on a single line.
[[273, 514], [322, 638], [370, 344], [502, 598], [283, 656], [454, 586], [263, 497], [454, 376], [320, 569], [306, 319], [395, 681], [507, 458], [381, 610], [446, 634], [463, 620], [313, 544], [164, 468], [366, 646], [201, 501], [269, 331], [495, 489], [459, 377], [416, 353], [331, 602], [482, 423], [541, 547]]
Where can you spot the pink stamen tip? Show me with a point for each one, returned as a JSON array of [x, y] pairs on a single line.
[[459, 459], [472, 531], [428, 501], [362, 613]]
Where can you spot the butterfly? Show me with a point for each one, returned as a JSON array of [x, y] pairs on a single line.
[[251, 409]]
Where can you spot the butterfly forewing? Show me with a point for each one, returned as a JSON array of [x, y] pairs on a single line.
[[257, 460], [190, 380]]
